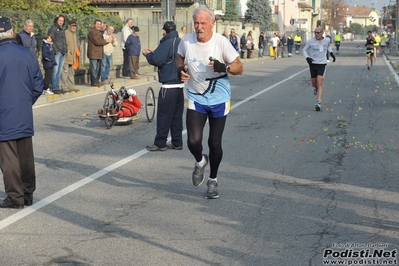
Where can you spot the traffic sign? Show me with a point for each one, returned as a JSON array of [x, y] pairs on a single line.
[[389, 24]]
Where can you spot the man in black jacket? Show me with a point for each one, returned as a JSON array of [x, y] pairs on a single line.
[[57, 31], [171, 97], [261, 44]]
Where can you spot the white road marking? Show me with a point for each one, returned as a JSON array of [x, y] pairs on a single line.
[[57, 195]]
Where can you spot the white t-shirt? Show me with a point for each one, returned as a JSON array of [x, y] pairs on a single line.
[[317, 50], [126, 32], [275, 41], [196, 57]]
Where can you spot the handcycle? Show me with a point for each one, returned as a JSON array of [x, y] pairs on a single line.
[[113, 101]]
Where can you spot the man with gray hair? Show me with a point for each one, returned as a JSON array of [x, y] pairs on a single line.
[[126, 32], [205, 60], [27, 38], [22, 84]]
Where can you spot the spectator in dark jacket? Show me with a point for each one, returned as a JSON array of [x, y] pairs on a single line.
[[261, 44], [57, 31], [95, 47], [171, 96], [243, 45], [48, 60], [290, 44], [21, 85], [133, 47], [27, 38]]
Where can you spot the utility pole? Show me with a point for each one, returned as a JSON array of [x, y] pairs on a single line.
[[168, 8], [396, 26]]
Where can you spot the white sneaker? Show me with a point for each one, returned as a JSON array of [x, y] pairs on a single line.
[[328, 61], [48, 92]]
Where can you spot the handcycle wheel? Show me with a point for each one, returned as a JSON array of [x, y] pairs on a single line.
[[150, 104], [109, 103]]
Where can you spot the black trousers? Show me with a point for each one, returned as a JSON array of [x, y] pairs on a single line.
[[170, 116], [126, 69], [47, 77], [18, 168]]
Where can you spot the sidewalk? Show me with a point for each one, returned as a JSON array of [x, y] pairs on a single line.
[[393, 59], [146, 74]]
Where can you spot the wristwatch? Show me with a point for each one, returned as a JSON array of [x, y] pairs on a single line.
[[228, 69]]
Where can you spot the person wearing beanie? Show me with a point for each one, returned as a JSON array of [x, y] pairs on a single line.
[[21, 85], [133, 48], [68, 73], [171, 96]]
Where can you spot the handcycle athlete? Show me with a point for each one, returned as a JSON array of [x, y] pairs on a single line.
[[125, 106], [129, 107]]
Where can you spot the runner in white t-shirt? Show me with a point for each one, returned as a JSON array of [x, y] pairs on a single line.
[[204, 60], [275, 43], [318, 47]]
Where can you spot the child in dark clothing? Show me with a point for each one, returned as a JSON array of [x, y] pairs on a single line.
[[48, 60]]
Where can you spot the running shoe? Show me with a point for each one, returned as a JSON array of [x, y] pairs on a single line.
[[315, 91], [48, 92], [212, 192], [317, 106], [198, 173]]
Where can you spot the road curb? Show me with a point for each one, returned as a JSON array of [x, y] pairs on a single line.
[[86, 89]]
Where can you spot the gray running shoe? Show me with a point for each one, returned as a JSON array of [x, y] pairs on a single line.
[[212, 192], [315, 91], [198, 174]]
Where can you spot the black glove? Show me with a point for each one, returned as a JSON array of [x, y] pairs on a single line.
[[179, 70], [333, 56], [217, 66], [310, 60]]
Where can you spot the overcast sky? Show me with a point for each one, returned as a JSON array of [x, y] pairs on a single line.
[[377, 4]]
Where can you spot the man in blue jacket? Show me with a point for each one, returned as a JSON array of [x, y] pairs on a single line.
[[133, 47], [21, 84], [171, 97]]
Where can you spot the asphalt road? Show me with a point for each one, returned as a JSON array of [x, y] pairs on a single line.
[[297, 187]]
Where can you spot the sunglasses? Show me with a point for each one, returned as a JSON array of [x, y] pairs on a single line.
[[317, 32]]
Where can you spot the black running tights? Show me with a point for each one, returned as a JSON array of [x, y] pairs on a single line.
[[195, 122]]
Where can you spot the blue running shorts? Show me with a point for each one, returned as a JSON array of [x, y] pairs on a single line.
[[214, 111]]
